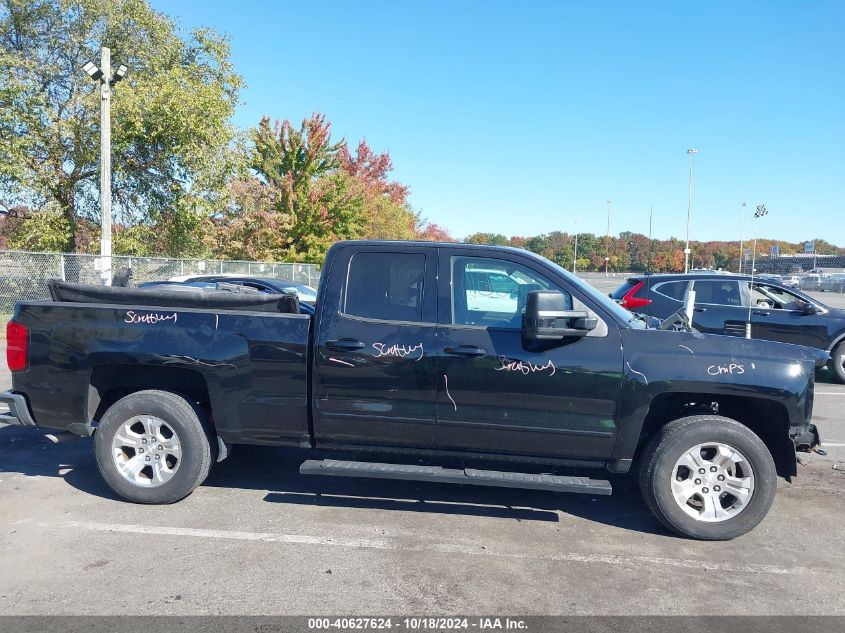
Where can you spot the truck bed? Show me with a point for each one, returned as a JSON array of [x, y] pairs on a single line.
[[249, 368]]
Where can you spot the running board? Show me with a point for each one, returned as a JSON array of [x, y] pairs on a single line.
[[470, 476]]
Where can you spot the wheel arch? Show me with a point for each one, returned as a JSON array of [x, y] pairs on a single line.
[[839, 338], [767, 419], [111, 382]]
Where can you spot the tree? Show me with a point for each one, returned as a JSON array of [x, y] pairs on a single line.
[[171, 130], [319, 202], [488, 238], [430, 232], [388, 214]]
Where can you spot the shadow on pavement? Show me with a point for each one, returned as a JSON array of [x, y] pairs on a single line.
[[276, 470]]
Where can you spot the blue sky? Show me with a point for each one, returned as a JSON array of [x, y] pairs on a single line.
[[521, 118]]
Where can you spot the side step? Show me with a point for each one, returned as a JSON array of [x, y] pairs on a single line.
[[471, 476]]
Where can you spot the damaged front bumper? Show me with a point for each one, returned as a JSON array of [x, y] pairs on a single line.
[[807, 440], [18, 410]]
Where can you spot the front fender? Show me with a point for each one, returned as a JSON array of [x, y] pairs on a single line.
[[659, 362]]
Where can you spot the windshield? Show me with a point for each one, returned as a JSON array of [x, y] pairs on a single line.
[[606, 302]]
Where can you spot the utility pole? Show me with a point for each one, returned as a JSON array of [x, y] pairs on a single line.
[[105, 164], [607, 242], [741, 237], [104, 76], [575, 256], [692, 152]]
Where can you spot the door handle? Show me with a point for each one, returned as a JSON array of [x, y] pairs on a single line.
[[761, 313], [466, 350], [699, 310], [345, 345]]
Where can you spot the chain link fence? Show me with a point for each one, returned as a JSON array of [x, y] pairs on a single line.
[[24, 275]]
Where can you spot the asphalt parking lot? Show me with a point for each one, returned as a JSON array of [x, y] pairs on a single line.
[[258, 538]]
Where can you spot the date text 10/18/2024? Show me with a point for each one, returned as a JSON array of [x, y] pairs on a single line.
[[417, 624]]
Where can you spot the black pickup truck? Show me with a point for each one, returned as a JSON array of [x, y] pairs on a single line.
[[430, 362]]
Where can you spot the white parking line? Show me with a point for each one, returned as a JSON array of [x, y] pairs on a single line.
[[830, 393], [439, 548]]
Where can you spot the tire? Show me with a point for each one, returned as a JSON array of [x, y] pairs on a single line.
[[154, 446], [837, 363], [738, 454]]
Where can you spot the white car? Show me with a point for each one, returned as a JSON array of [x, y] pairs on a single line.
[[492, 290]]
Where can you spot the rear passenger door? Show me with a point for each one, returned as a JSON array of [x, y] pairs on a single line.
[[375, 348], [719, 307]]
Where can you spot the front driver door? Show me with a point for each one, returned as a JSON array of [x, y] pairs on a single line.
[[494, 395], [777, 315]]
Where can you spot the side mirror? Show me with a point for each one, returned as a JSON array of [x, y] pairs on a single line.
[[547, 319], [808, 307]]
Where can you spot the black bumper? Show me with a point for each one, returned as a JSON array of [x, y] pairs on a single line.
[[18, 410]]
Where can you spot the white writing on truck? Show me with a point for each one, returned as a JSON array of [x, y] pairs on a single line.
[[399, 351], [725, 368], [524, 367], [150, 318]]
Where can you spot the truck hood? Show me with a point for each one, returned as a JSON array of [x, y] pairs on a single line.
[[719, 364], [753, 349]]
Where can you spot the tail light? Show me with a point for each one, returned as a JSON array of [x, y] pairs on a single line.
[[17, 342], [630, 302]]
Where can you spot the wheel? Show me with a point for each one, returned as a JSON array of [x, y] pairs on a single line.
[[708, 477], [154, 447], [837, 363]]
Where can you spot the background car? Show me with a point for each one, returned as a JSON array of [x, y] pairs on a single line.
[[306, 294], [724, 304]]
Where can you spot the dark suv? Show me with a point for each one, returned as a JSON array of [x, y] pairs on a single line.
[[722, 305]]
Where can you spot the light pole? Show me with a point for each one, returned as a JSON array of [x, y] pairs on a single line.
[[759, 213], [107, 79], [692, 152], [741, 236], [607, 242], [575, 255]]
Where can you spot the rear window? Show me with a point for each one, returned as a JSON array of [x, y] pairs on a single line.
[[624, 289], [672, 289], [386, 286]]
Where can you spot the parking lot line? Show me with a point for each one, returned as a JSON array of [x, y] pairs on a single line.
[[437, 548], [830, 393]]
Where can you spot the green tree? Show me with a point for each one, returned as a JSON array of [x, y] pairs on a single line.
[[170, 117], [388, 214], [496, 239], [320, 203]]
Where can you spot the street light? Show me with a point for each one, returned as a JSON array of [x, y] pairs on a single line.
[[607, 241], [107, 79], [758, 213], [692, 152]]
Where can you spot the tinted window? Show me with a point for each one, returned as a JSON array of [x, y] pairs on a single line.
[[385, 286], [672, 289], [492, 292], [624, 289], [718, 292], [774, 297]]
